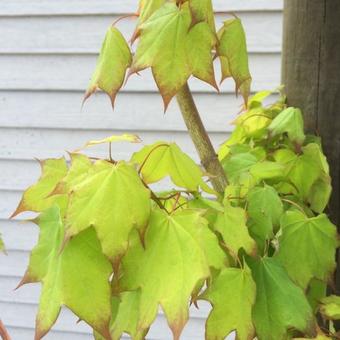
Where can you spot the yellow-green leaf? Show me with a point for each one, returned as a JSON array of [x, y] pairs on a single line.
[[78, 277], [162, 159], [232, 295], [114, 59], [36, 198], [147, 8], [330, 307], [232, 51], [113, 200], [126, 137], [201, 40], [162, 47], [202, 10], [168, 267], [232, 226]]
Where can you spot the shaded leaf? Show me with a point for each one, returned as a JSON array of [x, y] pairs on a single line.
[[35, 198], [169, 268], [238, 164], [232, 51], [267, 170], [280, 304], [162, 159], [313, 241], [114, 59], [113, 200], [77, 278], [232, 226], [265, 209], [289, 121], [232, 295]]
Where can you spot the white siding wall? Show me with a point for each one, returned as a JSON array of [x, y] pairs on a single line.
[[48, 50]]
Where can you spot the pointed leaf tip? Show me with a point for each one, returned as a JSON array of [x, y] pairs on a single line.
[[232, 50], [114, 59]]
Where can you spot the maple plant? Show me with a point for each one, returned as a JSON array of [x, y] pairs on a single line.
[[245, 231]]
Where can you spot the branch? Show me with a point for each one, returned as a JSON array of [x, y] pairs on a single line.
[[201, 139], [3, 332]]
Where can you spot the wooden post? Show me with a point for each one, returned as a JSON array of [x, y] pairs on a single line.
[[311, 74]]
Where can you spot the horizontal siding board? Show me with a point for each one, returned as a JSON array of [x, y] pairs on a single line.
[[25, 144], [22, 333], [133, 111], [72, 72], [83, 7], [85, 34]]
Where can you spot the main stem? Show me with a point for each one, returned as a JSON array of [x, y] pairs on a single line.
[[201, 139]]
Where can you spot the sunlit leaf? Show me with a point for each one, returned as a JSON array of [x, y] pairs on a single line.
[[267, 170], [36, 198], [311, 241], [201, 40], [147, 8], [289, 121], [113, 200], [162, 159], [169, 266], [330, 307], [280, 304], [114, 138], [232, 51], [78, 277], [114, 59], [232, 226], [232, 295], [202, 10], [163, 47], [124, 319]]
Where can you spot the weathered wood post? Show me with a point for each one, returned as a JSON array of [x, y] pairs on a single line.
[[311, 74]]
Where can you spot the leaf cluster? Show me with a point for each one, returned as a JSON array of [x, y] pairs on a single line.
[[114, 250]]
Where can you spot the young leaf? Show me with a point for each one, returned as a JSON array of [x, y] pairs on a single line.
[[232, 226], [330, 307], [162, 159], [311, 241], [202, 10], [147, 8], [77, 278], [35, 198], [201, 40], [169, 266], [232, 295], [114, 138], [2, 245], [280, 304], [289, 121], [113, 200], [232, 51], [114, 59], [124, 319], [265, 209], [163, 47]]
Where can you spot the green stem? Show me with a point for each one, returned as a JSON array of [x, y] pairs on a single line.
[[201, 139]]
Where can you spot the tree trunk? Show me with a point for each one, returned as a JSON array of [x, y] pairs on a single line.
[[311, 74]]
